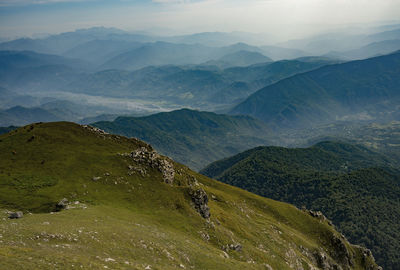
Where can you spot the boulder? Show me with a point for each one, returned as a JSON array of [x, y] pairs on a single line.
[[14, 215], [62, 204]]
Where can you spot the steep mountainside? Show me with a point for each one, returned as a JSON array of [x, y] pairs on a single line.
[[358, 90], [191, 137], [359, 190], [117, 204]]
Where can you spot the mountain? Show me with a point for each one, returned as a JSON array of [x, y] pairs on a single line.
[[385, 35], [356, 188], [191, 137], [370, 50], [240, 59], [340, 41], [160, 53], [27, 70], [198, 86], [96, 201], [27, 44], [217, 39], [358, 90], [265, 74], [30, 59], [21, 116], [100, 51], [98, 118], [281, 53], [62, 43], [165, 53]]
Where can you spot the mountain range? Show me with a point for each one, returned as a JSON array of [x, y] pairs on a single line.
[[357, 90]]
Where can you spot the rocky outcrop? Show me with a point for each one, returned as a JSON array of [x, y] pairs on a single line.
[[151, 158], [367, 258], [318, 215], [340, 257], [200, 200], [235, 247], [61, 205], [341, 253], [95, 130], [15, 215]]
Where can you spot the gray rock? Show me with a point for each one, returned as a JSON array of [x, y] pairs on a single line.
[[62, 204], [200, 200], [151, 158], [15, 215], [236, 247]]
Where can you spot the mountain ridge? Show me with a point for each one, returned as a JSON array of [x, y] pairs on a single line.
[[329, 93]]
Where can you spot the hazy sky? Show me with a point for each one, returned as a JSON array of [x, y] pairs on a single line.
[[280, 17]]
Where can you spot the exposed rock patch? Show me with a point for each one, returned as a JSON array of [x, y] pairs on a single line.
[[367, 258], [318, 215], [95, 130], [61, 205], [15, 215], [154, 160], [342, 254], [200, 200]]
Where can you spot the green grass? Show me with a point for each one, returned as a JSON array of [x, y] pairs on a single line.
[[127, 221]]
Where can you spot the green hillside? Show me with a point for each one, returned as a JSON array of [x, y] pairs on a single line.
[[191, 137], [129, 208], [358, 90], [359, 190]]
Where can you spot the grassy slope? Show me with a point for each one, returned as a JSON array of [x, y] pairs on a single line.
[[341, 180], [191, 137], [132, 221]]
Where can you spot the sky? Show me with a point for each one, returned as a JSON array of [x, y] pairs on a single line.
[[276, 17]]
